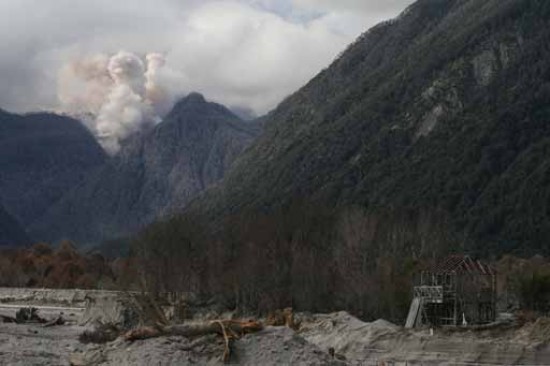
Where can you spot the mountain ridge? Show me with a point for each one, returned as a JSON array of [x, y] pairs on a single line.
[[160, 169], [42, 156]]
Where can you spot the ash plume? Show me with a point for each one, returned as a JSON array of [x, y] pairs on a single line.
[[117, 95]]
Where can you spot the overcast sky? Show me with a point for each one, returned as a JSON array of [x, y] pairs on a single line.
[[247, 53]]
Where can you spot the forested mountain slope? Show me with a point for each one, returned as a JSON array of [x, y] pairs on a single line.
[[11, 233], [42, 156], [445, 109]]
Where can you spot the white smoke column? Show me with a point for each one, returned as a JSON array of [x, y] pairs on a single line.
[[126, 111], [127, 68], [118, 96], [155, 93]]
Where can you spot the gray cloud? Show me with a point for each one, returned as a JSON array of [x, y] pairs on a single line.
[[364, 6], [246, 53]]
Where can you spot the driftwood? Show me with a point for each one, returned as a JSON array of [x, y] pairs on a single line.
[[233, 327], [227, 350], [57, 321], [7, 319], [229, 329], [144, 333]]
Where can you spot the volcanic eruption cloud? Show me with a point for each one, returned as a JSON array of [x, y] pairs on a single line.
[[116, 95]]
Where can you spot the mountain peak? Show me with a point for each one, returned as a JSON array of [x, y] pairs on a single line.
[[196, 106], [191, 99], [195, 97]]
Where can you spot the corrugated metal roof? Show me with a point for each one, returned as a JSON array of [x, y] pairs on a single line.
[[462, 264]]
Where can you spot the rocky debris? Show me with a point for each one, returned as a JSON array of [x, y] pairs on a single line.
[[29, 315], [345, 334]]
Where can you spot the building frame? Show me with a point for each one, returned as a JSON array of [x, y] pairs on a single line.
[[456, 291]]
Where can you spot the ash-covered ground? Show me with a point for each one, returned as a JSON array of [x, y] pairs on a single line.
[[354, 343]]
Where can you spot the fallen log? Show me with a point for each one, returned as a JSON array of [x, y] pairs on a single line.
[[57, 321], [229, 329], [144, 333], [234, 327]]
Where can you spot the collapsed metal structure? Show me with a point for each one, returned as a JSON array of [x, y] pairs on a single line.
[[456, 291]]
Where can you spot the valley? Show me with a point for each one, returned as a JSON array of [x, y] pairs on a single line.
[[266, 200]]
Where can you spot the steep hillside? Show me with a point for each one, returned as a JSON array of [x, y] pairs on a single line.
[[42, 156], [165, 167], [444, 109], [11, 233]]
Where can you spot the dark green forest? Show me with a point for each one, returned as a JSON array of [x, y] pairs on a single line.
[[307, 256]]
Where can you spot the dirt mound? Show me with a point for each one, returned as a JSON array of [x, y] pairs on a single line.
[[348, 335], [381, 341], [541, 330], [534, 332], [278, 346]]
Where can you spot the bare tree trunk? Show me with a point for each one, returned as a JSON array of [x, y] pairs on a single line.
[[234, 327]]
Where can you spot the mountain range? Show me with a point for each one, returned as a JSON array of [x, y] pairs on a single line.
[[442, 110], [156, 172]]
